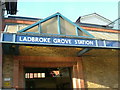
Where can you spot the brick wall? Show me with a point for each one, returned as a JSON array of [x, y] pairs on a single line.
[[100, 65], [7, 71], [0, 47], [101, 69], [0, 65]]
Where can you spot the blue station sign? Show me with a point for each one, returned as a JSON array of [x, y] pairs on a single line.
[[58, 41], [55, 40]]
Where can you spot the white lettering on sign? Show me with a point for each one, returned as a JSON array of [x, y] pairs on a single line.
[[34, 39], [55, 40], [62, 41], [84, 42]]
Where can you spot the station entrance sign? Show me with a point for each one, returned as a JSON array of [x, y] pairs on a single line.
[[58, 41]]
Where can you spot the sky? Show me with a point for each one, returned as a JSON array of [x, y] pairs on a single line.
[[71, 9]]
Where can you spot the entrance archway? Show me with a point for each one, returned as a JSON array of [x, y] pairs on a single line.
[[45, 78], [73, 63]]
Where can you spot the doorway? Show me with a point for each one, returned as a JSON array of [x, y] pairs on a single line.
[[45, 78]]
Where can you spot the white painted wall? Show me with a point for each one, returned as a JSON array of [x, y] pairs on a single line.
[[94, 19]]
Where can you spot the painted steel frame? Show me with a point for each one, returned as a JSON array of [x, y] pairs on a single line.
[[84, 51], [58, 15]]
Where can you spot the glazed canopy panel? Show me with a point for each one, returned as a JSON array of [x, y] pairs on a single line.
[[14, 28], [49, 26], [55, 24], [82, 34], [64, 27], [34, 29], [11, 28]]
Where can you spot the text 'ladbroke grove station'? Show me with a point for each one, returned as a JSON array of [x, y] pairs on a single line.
[[54, 40]]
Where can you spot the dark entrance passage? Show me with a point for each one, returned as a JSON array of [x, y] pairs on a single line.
[[45, 78]]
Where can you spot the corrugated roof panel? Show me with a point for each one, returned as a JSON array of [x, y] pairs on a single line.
[[105, 35]]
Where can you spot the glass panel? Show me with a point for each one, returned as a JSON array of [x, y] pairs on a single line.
[[33, 29], [39, 75], [43, 75], [35, 75], [67, 28], [81, 33], [12, 28], [26, 75], [50, 26], [20, 27], [31, 75]]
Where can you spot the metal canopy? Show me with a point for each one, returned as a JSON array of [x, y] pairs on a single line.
[[81, 38], [79, 32]]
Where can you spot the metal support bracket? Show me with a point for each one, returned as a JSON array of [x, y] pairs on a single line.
[[83, 51]]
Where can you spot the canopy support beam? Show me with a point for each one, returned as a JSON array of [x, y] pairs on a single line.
[[84, 51]]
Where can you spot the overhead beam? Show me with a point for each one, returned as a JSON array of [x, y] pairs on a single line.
[[83, 51], [49, 64], [45, 59]]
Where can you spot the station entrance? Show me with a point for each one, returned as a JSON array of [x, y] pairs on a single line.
[[47, 67], [42, 54], [45, 78]]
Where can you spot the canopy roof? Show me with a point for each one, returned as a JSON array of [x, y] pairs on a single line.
[[56, 24], [57, 30]]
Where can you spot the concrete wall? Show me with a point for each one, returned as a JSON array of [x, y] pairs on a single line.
[[101, 69]]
